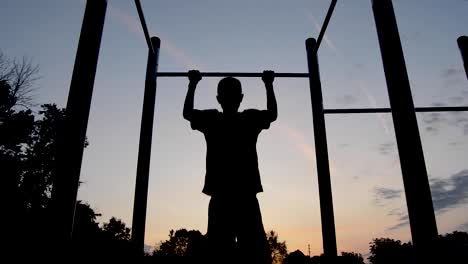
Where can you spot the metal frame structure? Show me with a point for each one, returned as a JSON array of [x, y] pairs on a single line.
[[416, 184]]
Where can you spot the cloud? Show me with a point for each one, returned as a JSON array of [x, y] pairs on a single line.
[[463, 227], [300, 142], [397, 212], [456, 100], [346, 99], [386, 148], [383, 194], [450, 72], [402, 221], [433, 122], [373, 103], [132, 24], [453, 77], [318, 27], [344, 145], [371, 99], [438, 104], [446, 194], [451, 192], [411, 36], [455, 143]]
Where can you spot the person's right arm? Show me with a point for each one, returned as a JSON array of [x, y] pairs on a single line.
[[194, 77]]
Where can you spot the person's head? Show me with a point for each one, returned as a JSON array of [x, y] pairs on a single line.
[[229, 94]]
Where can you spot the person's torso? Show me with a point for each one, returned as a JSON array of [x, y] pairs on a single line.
[[231, 160]]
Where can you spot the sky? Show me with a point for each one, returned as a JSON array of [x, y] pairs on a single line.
[[252, 36]]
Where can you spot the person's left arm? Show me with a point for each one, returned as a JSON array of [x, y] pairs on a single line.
[[272, 108]]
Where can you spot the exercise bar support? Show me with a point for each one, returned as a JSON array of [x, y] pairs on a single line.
[[143, 25], [72, 135], [413, 167], [321, 149], [144, 148], [233, 74], [463, 46]]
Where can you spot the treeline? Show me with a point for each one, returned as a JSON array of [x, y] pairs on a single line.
[[189, 244]]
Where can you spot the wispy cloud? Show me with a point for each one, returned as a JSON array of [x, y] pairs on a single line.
[[386, 148], [450, 72], [318, 27], [383, 195], [451, 192], [330, 44], [132, 24], [463, 227], [300, 142], [446, 194], [434, 122], [346, 99], [402, 221], [373, 103]]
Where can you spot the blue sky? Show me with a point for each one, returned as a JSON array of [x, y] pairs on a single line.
[[255, 36]]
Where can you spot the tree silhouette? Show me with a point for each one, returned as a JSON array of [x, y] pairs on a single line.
[[27, 142], [182, 243], [296, 257], [89, 240], [21, 76], [453, 247], [39, 164], [116, 229], [85, 226], [387, 251], [449, 248], [352, 258], [278, 249]]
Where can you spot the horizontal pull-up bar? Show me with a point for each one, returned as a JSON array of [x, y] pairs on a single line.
[[234, 74], [388, 110]]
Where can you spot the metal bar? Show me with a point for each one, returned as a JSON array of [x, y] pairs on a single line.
[[143, 25], [233, 74], [325, 25], [388, 110], [321, 149], [413, 167], [463, 45], [357, 111], [442, 109], [72, 135], [144, 149]]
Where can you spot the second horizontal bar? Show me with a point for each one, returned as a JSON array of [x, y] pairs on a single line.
[[235, 74], [388, 110]]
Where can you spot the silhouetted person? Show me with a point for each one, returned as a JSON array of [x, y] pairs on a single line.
[[232, 177]]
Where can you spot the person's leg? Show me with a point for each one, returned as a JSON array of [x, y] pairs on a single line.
[[220, 236], [251, 237]]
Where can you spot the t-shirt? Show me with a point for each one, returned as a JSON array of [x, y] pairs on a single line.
[[231, 153]]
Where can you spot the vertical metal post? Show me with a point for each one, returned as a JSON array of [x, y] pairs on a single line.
[[144, 151], [73, 132], [463, 45], [417, 190], [321, 149]]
